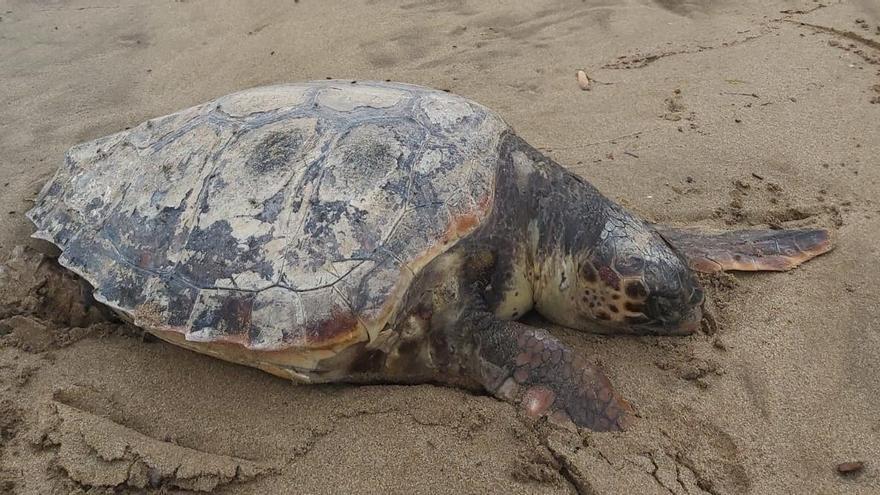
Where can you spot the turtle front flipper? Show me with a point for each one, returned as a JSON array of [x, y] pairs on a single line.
[[530, 367], [746, 250]]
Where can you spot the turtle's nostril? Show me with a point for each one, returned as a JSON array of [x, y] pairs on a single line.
[[691, 324], [696, 297]]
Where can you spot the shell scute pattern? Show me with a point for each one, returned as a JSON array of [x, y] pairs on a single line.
[[279, 217]]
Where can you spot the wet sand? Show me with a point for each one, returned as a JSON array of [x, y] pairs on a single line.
[[724, 114]]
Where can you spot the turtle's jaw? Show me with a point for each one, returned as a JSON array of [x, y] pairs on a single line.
[[684, 326], [675, 314], [681, 326]]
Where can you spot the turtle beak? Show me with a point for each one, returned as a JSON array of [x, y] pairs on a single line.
[[675, 316], [692, 323]]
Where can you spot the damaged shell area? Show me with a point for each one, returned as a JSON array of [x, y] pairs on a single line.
[[288, 217]]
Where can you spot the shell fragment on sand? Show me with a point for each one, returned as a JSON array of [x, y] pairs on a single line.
[[583, 80]]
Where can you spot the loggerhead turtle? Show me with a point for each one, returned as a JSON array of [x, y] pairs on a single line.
[[379, 232]]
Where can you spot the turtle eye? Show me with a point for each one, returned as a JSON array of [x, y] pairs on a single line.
[[630, 266]]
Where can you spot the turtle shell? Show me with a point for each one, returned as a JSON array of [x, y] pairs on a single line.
[[283, 219]]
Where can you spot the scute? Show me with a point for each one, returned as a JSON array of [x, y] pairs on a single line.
[[354, 96], [261, 100], [279, 218]]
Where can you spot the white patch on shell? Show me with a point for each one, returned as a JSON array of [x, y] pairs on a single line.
[[205, 334], [429, 161], [88, 185], [157, 287], [276, 310], [263, 99], [354, 96], [243, 228], [445, 111]]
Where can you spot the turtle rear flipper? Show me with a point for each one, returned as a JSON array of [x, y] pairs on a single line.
[[746, 250]]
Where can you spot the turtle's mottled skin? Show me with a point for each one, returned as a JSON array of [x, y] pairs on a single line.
[[365, 232]]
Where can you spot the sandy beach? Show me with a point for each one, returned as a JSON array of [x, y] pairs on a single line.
[[718, 113]]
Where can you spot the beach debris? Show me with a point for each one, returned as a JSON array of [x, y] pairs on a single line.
[[753, 95], [853, 467], [583, 80], [674, 106]]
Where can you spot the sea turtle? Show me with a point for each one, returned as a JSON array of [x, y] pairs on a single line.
[[379, 232]]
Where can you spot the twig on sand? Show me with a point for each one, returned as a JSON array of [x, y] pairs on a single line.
[[802, 11], [68, 9], [587, 145], [753, 95], [846, 34]]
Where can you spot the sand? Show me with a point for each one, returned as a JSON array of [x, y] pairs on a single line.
[[711, 112]]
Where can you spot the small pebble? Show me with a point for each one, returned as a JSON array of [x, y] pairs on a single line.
[[850, 467], [583, 80]]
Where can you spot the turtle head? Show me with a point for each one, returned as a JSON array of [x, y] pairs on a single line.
[[633, 280]]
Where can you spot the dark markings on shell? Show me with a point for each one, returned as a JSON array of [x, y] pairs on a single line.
[[217, 253], [273, 206], [233, 314], [275, 151], [275, 217]]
